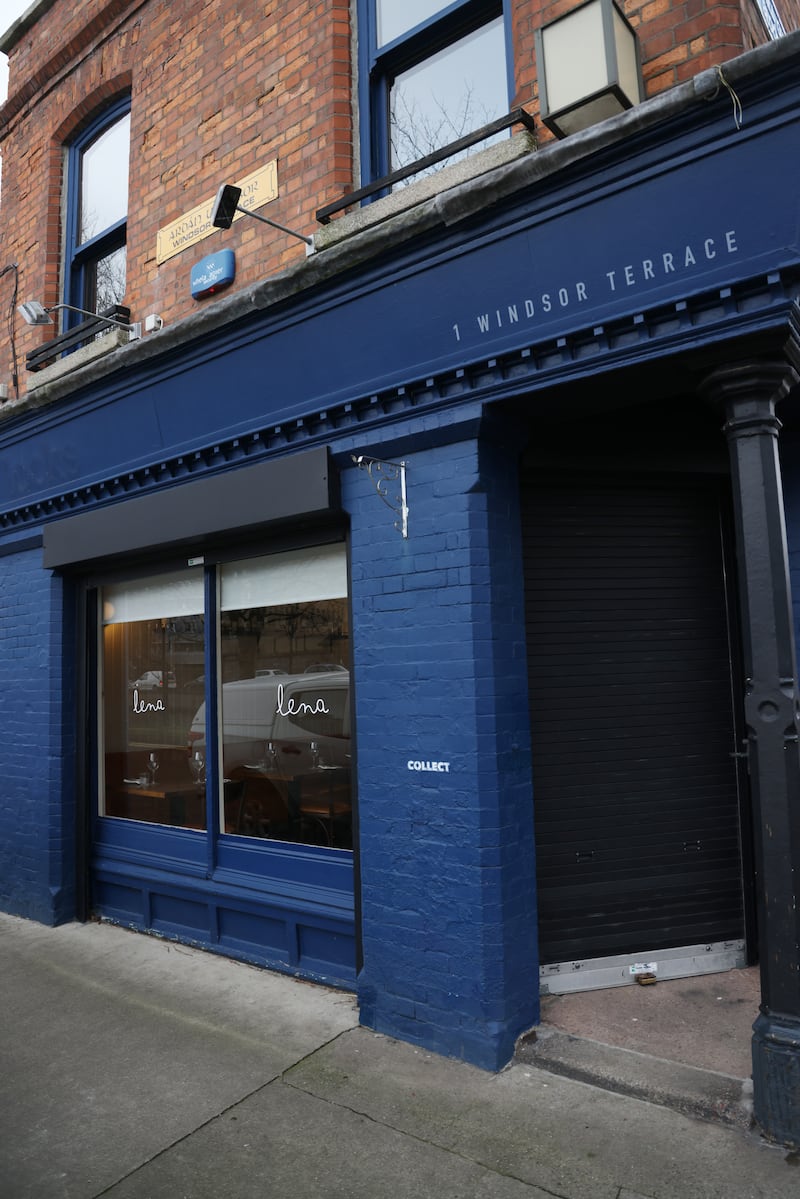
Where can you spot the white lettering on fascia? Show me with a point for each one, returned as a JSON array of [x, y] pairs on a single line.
[[660, 264]]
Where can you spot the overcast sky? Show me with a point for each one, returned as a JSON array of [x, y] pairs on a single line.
[[9, 11]]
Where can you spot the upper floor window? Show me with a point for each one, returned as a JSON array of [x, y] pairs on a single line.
[[97, 212], [431, 72]]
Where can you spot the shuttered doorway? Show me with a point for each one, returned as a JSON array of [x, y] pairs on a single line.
[[637, 806]]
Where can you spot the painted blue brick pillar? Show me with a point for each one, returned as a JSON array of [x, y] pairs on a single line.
[[37, 814], [448, 901]]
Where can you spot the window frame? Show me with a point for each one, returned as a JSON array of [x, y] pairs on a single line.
[[80, 257], [220, 853], [379, 66]]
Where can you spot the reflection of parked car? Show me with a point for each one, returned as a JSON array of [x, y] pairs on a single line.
[[153, 680], [287, 723]]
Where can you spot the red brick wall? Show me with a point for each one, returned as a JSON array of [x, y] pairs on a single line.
[[677, 38], [217, 92], [680, 39]]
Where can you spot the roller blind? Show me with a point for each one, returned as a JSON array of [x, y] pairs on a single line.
[[156, 598], [294, 577]]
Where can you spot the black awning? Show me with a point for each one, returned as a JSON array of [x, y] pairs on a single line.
[[199, 510]]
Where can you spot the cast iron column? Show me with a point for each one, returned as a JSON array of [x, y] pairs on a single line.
[[750, 391]]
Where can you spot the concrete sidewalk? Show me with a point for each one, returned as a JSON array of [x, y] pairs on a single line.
[[137, 1069]]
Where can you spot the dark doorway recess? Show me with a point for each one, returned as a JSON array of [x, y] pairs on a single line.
[[636, 789]]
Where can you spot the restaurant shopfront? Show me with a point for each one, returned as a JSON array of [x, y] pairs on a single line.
[[219, 770], [468, 533]]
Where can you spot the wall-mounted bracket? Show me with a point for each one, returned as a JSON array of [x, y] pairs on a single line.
[[382, 474]]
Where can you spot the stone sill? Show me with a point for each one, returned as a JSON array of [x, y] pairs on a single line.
[[104, 344], [404, 198]]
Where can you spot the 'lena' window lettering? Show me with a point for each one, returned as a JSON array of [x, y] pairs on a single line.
[[300, 707], [177, 746], [140, 706]]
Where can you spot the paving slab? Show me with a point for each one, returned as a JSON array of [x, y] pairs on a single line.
[[565, 1137], [283, 1142], [116, 1046]]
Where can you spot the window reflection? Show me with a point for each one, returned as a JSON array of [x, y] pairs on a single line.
[[396, 19], [105, 281], [286, 698], [104, 180], [153, 654], [448, 95], [283, 652], [98, 222]]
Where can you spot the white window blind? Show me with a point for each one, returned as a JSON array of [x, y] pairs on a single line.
[[156, 598], [295, 577]]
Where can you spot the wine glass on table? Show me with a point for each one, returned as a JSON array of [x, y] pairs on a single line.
[[152, 766], [197, 766]]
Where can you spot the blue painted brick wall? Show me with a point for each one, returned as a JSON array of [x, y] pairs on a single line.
[[37, 821], [447, 869]]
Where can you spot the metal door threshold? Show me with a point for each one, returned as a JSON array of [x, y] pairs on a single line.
[[598, 973]]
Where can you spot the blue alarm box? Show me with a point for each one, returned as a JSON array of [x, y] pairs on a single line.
[[211, 274]]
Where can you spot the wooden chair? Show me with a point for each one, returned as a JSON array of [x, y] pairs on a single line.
[[259, 811]]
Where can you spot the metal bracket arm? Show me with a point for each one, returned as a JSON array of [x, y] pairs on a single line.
[[382, 474]]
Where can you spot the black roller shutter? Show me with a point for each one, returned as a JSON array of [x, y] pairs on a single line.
[[635, 789]]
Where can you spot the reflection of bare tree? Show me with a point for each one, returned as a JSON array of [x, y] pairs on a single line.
[[301, 623], [285, 635], [417, 131], [110, 279], [109, 276]]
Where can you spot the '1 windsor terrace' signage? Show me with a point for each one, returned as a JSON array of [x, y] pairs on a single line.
[[656, 265], [257, 189]]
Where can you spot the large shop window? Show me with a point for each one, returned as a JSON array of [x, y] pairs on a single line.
[[264, 746], [97, 212], [433, 72]]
